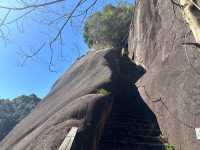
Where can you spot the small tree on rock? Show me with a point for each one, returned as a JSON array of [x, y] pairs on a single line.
[[108, 28]]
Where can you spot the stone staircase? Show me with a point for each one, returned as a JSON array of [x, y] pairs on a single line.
[[127, 129], [131, 125]]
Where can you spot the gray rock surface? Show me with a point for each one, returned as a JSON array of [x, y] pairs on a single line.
[[171, 85], [72, 101], [161, 42]]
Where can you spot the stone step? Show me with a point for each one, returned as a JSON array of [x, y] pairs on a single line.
[[130, 130], [129, 115], [136, 146], [127, 123], [132, 121], [130, 118], [125, 109], [130, 126], [126, 132], [130, 139]]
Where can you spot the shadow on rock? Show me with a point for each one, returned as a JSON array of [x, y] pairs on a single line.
[[131, 123]]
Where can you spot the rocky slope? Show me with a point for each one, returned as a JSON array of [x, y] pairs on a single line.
[[13, 111], [72, 101], [77, 100], [159, 42], [117, 117]]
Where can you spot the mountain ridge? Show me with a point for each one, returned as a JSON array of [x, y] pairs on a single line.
[[13, 111]]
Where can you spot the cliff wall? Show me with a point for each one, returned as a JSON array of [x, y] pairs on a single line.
[[162, 42]]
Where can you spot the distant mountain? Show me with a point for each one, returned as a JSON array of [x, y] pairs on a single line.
[[13, 111]]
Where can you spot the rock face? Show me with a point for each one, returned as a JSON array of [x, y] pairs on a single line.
[[163, 44], [13, 111], [98, 95], [72, 102]]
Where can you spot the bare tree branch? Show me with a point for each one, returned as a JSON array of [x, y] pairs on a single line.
[[24, 10], [65, 23], [5, 17], [196, 5], [30, 56], [20, 17], [32, 5]]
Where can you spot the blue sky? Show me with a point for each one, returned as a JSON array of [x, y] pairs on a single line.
[[34, 76]]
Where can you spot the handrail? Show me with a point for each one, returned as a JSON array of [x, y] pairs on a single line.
[[68, 141]]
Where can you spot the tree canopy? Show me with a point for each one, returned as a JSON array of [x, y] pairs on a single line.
[[13, 111], [109, 27]]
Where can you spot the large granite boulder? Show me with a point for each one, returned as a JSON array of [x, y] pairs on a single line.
[[161, 41], [74, 101], [98, 96]]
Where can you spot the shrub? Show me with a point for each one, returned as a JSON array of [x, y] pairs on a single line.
[[109, 27], [169, 147], [102, 91]]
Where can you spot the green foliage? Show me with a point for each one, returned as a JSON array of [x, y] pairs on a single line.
[[109, 27], [102, 91], [169, 147], [13, 111]]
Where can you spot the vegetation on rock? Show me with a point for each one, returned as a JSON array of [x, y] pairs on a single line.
[[102, 91], [169, 147], [109, 27], [13, 111]]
